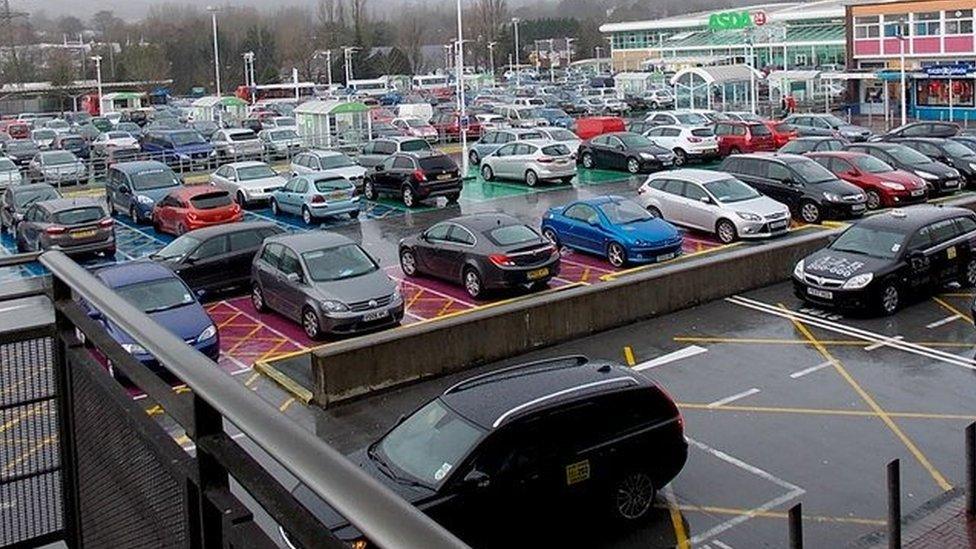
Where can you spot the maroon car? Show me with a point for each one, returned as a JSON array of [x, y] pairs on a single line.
[[736, 137], [448, 126], [884, 185]]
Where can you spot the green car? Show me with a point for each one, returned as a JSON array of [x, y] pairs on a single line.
[[102, 123]]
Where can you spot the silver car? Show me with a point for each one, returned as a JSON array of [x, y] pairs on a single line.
[[248, 182], [57, 168], [330, 162], [326, 282], [9, 173], [530, 161], [237, 143], [562, 135], [281, 142], [713, 202]]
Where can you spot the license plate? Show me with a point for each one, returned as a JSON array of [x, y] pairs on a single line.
[[776, 225], [951, 183], [374, 315], [83, 234], [339, 195], [824, 294], [666, 257], [666, 162], [919, 192], [537, 274], [443, 176], [857, 207]]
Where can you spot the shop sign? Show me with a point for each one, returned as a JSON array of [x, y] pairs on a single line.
[[958, 69], [735, 20]]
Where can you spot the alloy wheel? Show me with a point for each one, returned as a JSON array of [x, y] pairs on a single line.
[[971, 272], [472, 283], [257, 298], [616, 255], [810, 212], [633, 496], [531, 178], [408, 263], [889, 299], [588, 161], [310, 323], [726, 231], [408, 199], [874, 200], [486, 173], [633, 166]]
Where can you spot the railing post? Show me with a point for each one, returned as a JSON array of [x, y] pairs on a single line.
[[894, 505], [212, 475], [796, 527], [971, 469], [70, 497]]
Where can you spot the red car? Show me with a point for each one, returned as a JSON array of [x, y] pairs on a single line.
[[783, 133], [736, 137], [194, 207], [885, 186], [447, 125]]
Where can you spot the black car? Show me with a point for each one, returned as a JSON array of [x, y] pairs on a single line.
[[880, 261], [482, 252], [414, 177], [21, 151], [967, 140], [922, 129], [947, 151], [17, 198], [74, 143], [811, 191], [941, 179], [624, 151], [520, 445], [216, 258], [802, 145]]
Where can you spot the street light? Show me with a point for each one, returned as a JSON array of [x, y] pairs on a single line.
[[448, 53], [904, 91], [518, 76], [569, 50], [752, 74], [213, 16], [328, 63], [347, 52], [552, 68], [491, 58], [98, 79], [462, 114], [249, 79]]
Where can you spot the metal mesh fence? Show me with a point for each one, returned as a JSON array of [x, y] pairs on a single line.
[[30, 485]]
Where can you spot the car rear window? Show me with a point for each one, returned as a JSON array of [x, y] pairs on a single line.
[[784, 128], [511, 235], [415, 145], [76, 216], [556, 150], [437, 163], [702, 132], [241, 136], [759, 129], [327, 184], [531, 135], [210, 201]]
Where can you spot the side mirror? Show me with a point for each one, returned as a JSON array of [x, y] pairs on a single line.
[[788, 181], [379, 167], [477, 479], [594, 221], [124, 190], [854, 173], [294, 278], [706, 200]]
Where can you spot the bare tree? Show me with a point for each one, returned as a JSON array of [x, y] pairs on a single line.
[[489, 16], [360, 20], [411, 37]]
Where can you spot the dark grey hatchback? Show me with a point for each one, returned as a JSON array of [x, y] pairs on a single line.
[[70, 225]]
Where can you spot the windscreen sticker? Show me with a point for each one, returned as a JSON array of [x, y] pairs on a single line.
[[836, 265], [442, 472], [895, 248]]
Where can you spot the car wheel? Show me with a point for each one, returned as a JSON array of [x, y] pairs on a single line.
[[735, 150], [970, 278], [633, 494], [551, 236], [486, 173], [134, 215], [274, 207], [472, 283], [616, 254], [680, 157], [453, 198], [474, 158], [725, 231], [180, 230], [108, 203], [588, 162], [310, 323], [407, 195], [307, 215], [810, 212], [655, 212], [257, 299], [408, 263], [889, 298], [531, 178], [633, 165], [354, 214], [655, 105], [241, 200], [368, 190], [874, 200]]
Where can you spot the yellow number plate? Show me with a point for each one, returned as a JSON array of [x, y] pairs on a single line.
[[83, 234], [951, 252], [577, 472], [538, 273]]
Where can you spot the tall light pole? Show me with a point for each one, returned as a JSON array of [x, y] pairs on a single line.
[[98, 79], [552, 68], [462, 112], [347, 52], [249, 80], [518, 76], [213, 17], [448, 52], [491, 58], [328, 64], [752, 74], [569, 50], [904, 89]]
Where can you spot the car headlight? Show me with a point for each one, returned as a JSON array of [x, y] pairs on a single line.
[[893, 186], [396, 294], [334, 306], [953, 173], [832, 197], [134, 349], [859, 281], [748, 216], [207, 333], [143, 199], [231, 149], [925, 175], [972, 166], [798, 270], [182, 156], [647, 156]]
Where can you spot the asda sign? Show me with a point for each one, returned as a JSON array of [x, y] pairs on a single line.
[[735, 20]]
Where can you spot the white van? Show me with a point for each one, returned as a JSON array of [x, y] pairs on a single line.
[[423, 111]]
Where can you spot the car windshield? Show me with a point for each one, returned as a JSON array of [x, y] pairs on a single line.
[[624, 211], [731, 190], [43, 134], [703, 132], [415, 123], [57, 124], [6, 164], [248, 173], [562, 135], [429, 443], [58, 158], [76, 216], [511, 235], [811, 172], [869, 241], [414, 145], [211, 201], [339, 263], [833, 121], [440, 162], [25, 198], [72, 141], [556, 150], [336, 161], [177, 248], [691, 118], [285, 134], [20, 145], [154, 179], [910, 156], [871, 164], [956, 149], [181, 139], [284, 121], [156, 295], [118, 135], [635, 141]]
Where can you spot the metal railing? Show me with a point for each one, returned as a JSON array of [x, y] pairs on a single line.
[[125, 481]]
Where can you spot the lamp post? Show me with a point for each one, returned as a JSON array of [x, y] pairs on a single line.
[[213, 17], [569, 50], [347, 52], [904, 90], [462, 113], [98, 79], [448, 50], [249, 79], [518, 76], [491, 58], [552, 68], [752, 75]]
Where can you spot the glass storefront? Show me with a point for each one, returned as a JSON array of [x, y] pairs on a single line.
[[935, 92]]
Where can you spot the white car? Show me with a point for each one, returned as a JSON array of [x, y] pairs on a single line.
[[530, 161], [279, 122], [659, 99], [43, 137], [113, 117], [614, 106], [713, 202], [562, 135], [491, 121], [331, 162], [248, 182], [521, 117], [58, 125], [687, 142], [237, 143], [9, 173], [677, 118], [110, 140]]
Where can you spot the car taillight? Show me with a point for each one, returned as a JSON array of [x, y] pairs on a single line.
[[106, 223], [694, 139], [192, 216], [545, 160], [317, 199], [501, 260], [55, 230], [419, 175]]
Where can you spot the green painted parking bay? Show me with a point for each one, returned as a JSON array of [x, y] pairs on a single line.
[[476, 189]]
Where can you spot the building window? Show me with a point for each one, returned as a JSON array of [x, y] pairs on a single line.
[[935, 93], [867, 27], [895, 25], [800, 59], [959, 22], [928, 24]]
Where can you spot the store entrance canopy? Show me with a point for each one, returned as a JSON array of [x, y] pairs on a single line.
[[719, 74]]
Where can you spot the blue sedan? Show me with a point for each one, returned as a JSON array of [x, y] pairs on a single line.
[[316, 195], [161, 294], [614, 227]]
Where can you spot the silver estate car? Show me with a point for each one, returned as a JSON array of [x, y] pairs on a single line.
[[326, 282], [713, 202], [248, 182], [530, 161]]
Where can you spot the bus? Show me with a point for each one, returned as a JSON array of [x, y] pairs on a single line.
[[306, 90], [431, 82], [375, 87]]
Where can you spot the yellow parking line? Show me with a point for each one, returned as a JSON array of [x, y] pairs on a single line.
[[923, 461], [284, 406], [446, 306], [251, 379], [273, 348], [155, 410], [680, 534], [959, 294], [414, 299], [244, 339], [629, 355], [180, 389], [777, 515], [952, 309], [229, 320], [821, 411]]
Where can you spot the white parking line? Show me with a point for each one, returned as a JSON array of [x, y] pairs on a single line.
[[686, 352], [721, 545], [942, 322], [733, 398], [810, 370], [880, 344]]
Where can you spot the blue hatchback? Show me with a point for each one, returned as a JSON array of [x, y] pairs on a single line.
[[614, 227], [316, 195], [162, 295]]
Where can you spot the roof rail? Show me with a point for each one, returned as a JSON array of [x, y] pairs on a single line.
[[501, 419], [578, 360]]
